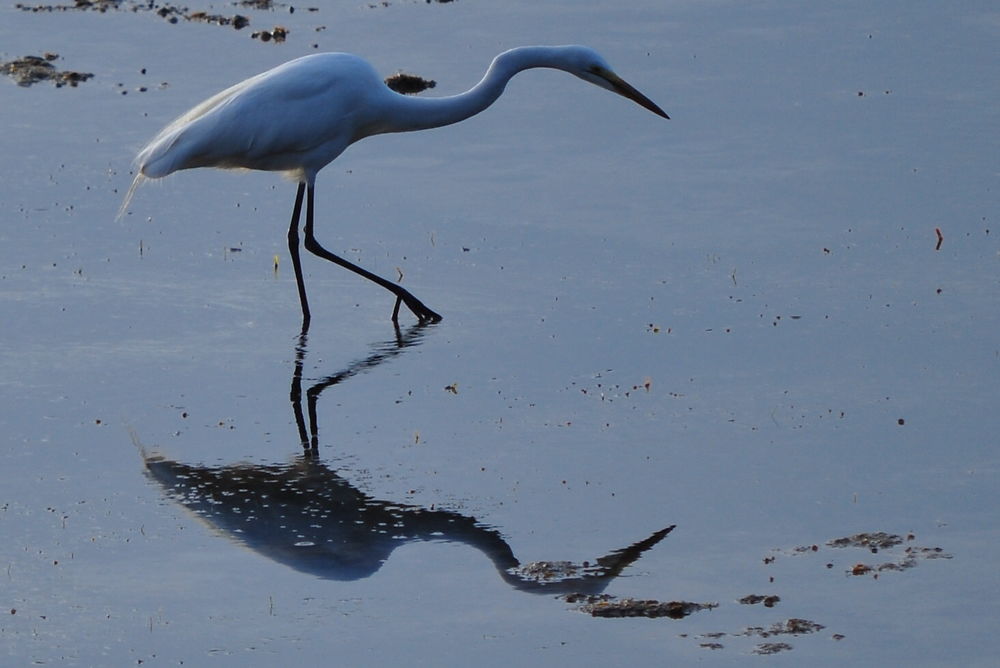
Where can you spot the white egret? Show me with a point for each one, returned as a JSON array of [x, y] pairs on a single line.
[[299, 116]]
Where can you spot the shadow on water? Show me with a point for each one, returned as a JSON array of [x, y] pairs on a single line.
[[306, 516]]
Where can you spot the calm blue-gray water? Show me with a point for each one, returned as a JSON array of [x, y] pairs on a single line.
[[740, 322]]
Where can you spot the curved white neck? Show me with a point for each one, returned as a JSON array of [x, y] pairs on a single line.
[[416, 113]]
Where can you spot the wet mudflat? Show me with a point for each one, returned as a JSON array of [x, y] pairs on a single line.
[[705, 389]]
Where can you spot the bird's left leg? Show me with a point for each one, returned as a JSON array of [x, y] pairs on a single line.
[[293, 250], [423, 313]]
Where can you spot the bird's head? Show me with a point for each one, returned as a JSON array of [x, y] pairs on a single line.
[[590, 66]]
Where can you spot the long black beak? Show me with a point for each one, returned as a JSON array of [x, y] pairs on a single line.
[[625, 89]]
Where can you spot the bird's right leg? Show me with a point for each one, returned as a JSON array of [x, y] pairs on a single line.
[[423, 313], [293, 249]]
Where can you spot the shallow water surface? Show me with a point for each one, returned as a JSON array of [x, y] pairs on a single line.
[[738, 323]]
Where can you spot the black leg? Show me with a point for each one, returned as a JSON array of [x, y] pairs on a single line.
[[293, 249], [423, 313]]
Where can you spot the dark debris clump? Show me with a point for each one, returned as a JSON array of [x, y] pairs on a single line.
[[604, 605], [408, 84], [278, 34], [879, 540], [32, 69], [238, 21], [793, 626], [771, 648], [753, 599], [78, 5], [170, 12]]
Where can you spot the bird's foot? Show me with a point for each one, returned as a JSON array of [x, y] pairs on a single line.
[[424, 315]]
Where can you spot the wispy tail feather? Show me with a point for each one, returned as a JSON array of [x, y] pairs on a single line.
[[139, 178]]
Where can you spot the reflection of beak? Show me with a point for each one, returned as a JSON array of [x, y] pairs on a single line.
[[625, 89]]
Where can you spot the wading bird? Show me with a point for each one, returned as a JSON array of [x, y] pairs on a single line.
[[299, 116]]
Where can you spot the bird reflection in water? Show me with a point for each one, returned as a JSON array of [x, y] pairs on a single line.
[[306, 516]]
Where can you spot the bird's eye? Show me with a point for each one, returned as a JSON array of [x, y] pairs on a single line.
[[598, 71]]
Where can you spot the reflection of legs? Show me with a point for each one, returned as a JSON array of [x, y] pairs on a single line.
[[293, 249], [309, 446], [423, 313]]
